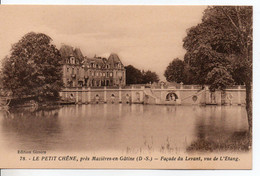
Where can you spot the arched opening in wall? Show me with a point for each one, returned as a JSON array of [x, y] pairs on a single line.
[[71, 96], [171, 97], [97, 98], [112, 98], [107, 83], [92, 82], [137, 96], [127, 98]]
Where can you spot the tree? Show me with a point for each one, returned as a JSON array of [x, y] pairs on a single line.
[[150, 77], [33, 68], [136, 76], [222, 44], [133, 75], [175, 71], [219, 78]]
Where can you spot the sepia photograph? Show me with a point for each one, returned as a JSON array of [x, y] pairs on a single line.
[[126, 86]]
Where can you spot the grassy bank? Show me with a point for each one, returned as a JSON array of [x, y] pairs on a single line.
[[239, 141]]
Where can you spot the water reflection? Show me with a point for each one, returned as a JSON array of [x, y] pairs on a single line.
[[217, 128], [121, 127], [27, 127]]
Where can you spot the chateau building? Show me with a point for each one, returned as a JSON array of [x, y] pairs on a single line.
[[80, 71]]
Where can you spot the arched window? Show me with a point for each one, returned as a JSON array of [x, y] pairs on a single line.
[[72, 60]]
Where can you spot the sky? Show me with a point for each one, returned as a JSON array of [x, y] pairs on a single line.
[[147, 37]]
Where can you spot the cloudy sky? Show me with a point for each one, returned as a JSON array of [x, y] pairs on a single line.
[[148, 37]]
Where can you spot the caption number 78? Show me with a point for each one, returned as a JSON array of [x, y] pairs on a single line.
[[22, 158]]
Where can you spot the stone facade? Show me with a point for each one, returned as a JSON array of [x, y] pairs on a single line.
[[81, 71], [183, 95]]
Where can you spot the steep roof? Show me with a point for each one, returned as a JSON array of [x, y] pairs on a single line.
[[99, 61], [114, 58], [66, 51], [78, 53]]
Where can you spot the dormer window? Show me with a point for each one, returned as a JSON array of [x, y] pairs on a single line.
[[72, 60]]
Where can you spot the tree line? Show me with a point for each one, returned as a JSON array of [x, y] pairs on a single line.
[[136, 76]]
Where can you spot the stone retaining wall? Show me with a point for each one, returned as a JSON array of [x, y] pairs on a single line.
[[186, 95]]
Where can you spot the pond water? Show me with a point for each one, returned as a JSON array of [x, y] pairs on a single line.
[[119, 127]]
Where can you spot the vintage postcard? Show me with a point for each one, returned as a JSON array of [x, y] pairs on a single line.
[[132, 87]]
